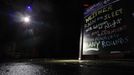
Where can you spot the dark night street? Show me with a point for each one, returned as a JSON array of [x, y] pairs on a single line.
[[66, 37]]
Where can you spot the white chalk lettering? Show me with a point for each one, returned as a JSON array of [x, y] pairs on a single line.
[[114, 42], [100, 25], [113, 14], [94, 33], [112, 31], [89, 23], [93, 44], [112, 24], [106, 37], [95, 14]]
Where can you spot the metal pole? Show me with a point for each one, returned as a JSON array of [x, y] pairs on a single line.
[[81, 43]]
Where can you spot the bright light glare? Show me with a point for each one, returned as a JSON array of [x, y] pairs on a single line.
[[28, 7], [26, 19]]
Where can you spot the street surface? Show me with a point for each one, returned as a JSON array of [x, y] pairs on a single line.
[[67, 67]]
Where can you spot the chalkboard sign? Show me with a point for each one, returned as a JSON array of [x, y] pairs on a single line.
[[105, 28]]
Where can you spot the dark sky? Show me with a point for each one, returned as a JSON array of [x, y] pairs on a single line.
[[55, 26]]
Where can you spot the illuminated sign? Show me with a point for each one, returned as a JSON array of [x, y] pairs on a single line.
[[105, 29]]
